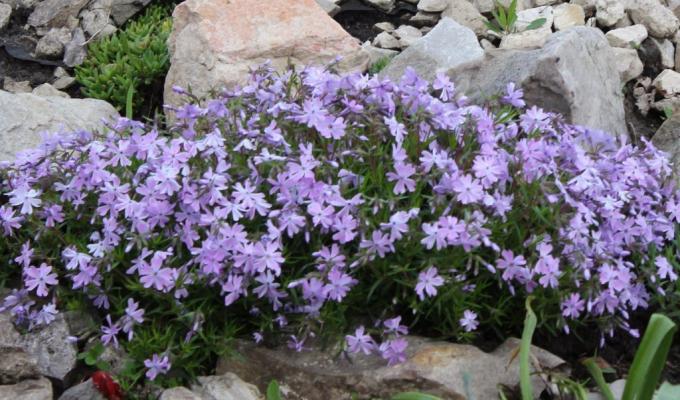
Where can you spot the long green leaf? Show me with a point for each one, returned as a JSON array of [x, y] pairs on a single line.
[[525, 352], [596, 373], [650, 359], [273, 391], [535, 24], [414, 396], [128, 101]]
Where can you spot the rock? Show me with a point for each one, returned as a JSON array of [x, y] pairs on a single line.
[[588, 5], [486, 45], [667, 138], [525, 40], [55, 13], [485, 6], [666, 52], [21, 4], [624, 22], [24, 118], [574, 74], [47, 90], [75, 51], [119, 10], [5, 14], [447, 46], [630, 37], [225, 387], [122, 10], [82, 391], [384, 5], [627, 63], [668, 83], [375, 53], [34, 389], [17, 87], [16, 366], [384, 27], [609, 12], [52, 44], [451, 371], [465, 14], [432, 5], [64, 82], [179, 393], [215, 42], [568, 15], [526, 17], [659, 20], [221, 387], [424, 19], [329, 7], [385, 40], [96, 22], [407, 35], [49, 345]]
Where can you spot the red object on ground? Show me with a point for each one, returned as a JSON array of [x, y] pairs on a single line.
[[105, 384]]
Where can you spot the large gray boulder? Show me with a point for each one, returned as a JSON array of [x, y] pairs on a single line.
[[26, 117], [447, 46], [448, 370], [574, 73]]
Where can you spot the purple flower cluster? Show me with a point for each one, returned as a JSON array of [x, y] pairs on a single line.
[[296, 192]]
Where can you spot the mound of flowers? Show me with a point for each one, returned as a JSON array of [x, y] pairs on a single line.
[[308, 203]]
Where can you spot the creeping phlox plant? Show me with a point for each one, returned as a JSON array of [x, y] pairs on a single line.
[[309, 203]]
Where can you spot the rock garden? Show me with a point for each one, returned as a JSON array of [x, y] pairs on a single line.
[[339, 199]]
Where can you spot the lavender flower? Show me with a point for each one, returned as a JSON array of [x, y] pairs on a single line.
[[157, 365], [469, 321]]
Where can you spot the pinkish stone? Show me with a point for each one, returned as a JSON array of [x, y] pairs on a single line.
[[215, 42]]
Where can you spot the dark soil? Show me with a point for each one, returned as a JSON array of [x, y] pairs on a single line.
[[358, 19]]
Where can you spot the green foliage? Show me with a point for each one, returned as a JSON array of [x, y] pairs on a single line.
[[650, 359], [91, 357], [648, 363], [379, 65], [133, 59], [505, 19], [273, 391]]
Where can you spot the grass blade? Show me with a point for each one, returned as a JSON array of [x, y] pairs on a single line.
[[273, 391], [414, 396], [596, 373], [525, 352], [650, 359], [128, 101]]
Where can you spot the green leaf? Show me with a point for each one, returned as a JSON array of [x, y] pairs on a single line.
[[525, 351], [535, 24], [128, 101], [273, 391], [596, 373], [512, 14], [414, 396], [650, 359]]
